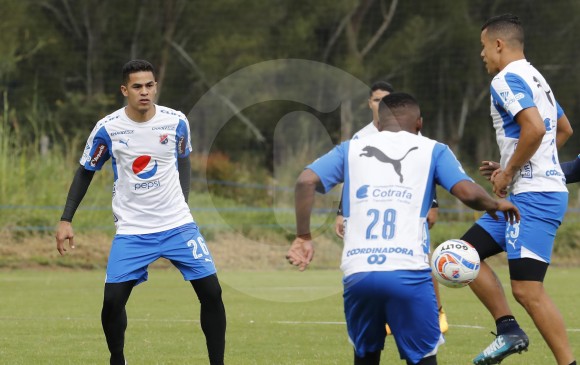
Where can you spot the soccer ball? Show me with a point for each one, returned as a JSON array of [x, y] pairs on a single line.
[[455, 263]]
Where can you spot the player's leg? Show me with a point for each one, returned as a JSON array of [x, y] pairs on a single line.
[[487, 286], [370, 358], [185, 247], [529, 255], [114, 318], [429, 360], [489, 290], [530, 293], [212, 316], [365, 316], [127, 266], [443, 324], [413, 314]]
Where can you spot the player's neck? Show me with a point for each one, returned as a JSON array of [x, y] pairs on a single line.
[[140, 116], [511, 57]]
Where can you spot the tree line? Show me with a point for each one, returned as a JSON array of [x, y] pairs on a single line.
[[60, 64]]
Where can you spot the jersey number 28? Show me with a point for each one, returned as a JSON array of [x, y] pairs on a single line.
[[388, 224]]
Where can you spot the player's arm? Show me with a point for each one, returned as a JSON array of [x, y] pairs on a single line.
[[433, 212], [449, 174], [339, 222], [76, 193], [571, 170], [322, 175], [563, 131], [184, 170], [301, 251], [475, 197], [532, 130]]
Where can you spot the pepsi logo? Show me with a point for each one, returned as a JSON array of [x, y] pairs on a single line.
[[143, 168]]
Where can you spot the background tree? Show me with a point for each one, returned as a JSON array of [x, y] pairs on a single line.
[[60, 61]]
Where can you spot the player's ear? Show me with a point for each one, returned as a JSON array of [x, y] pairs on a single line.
[[124, 90], [499, 44], [419, 124]]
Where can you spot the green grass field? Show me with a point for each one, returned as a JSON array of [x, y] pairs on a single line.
[[282, 317]]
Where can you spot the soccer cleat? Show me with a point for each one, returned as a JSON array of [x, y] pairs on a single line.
[[443, 320], [502, 347], [388, 329]]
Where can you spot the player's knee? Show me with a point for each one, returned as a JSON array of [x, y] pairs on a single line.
[[208, 289], [483, 242], [528, 294], [116, 295]]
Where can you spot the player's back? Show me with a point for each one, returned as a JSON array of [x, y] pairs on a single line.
[[389, 187]]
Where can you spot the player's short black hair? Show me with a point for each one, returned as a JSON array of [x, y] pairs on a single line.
[[136, 66], [399, 100], [507, 25], [381, 85]]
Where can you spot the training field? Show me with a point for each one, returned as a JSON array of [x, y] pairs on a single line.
[[281, 317]]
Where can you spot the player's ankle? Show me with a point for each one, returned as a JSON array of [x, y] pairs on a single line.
[[506, 324], [117, 359]]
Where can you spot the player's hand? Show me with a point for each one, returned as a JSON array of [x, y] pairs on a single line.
[[300, 253], [500, 180], [487, 168], [510, 212], [432, 216], [339, 226], [64, 232]]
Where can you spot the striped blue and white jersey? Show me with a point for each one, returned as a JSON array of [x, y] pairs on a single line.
[[147, 195], [517, 87], [389, 183]]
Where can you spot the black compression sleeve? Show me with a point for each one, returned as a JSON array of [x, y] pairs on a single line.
[[435, 203], [184, 169], [339, 211], [76, 193], [571, 170]]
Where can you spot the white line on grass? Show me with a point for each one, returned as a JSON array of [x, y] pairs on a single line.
[[344, 323], [197, 321]]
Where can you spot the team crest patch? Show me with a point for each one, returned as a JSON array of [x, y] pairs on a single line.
[[163, 139]]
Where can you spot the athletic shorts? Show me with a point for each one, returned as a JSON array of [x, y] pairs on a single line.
[[184, 246], [533, 237], [403, 299]]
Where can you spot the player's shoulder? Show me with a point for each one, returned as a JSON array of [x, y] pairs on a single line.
[[520, 69], [170, 113], [112, 118]]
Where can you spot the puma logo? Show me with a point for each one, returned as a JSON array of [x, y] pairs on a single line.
[[540, 86], [370, 151]]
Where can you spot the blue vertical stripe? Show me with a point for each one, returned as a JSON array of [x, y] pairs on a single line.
[[346, 187]]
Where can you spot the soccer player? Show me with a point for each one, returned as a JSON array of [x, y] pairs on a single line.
[[389, 183], [148, 145], [530, 126], [571, 170], [379, 90]]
